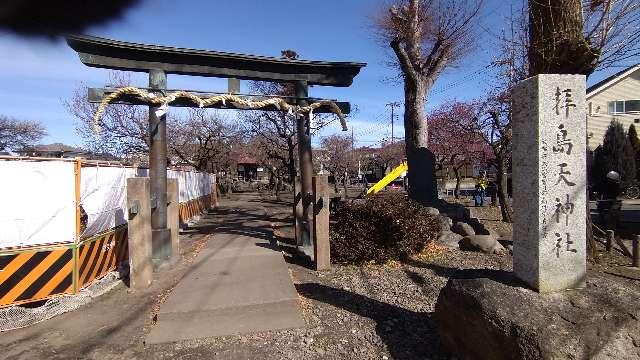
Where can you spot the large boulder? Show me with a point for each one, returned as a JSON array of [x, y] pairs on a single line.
[[445, 223], [449, 239], [489, 314], [432, 211], [463, 229], [485, 243]]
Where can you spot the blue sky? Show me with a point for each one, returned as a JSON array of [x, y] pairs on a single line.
[[37, 74]]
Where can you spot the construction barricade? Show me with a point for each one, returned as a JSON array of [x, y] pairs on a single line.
[[63, 224]]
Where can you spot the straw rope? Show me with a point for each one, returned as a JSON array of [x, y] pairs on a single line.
[[237, 101]]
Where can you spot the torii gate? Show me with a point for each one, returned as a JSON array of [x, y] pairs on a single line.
[[159, 61]]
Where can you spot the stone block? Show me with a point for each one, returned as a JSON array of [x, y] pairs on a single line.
[[445, 222], [449, 239], [321, 245], [492, 315], [173, 218], [485, 243], [463, 229], [139, 233], [297, 210], [549, 181]]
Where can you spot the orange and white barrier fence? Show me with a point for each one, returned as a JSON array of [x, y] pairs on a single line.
[[63, 222]]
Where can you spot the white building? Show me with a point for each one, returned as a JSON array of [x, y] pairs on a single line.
[[614, 98]]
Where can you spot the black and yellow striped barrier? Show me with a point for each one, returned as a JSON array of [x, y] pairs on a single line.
[[28, 275], [36, 274], [100, 255]]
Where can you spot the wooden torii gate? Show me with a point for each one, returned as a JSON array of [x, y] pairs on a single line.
[[159, 61]]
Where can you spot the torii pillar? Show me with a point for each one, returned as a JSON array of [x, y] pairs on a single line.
[[161, 234], [303, 129]]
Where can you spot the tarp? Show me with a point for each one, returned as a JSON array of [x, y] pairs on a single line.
[[191, 185], [104, 197], [38, 199], [37, 203]]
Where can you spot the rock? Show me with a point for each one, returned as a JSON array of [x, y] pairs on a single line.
[[490, 314], [485, 243], [432, 211], [445, 223], [449, 239], [463, 229]]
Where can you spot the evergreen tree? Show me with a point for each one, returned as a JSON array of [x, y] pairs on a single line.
[[615, 154], [635, 143]]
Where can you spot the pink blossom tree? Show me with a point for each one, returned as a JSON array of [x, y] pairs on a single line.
[[452, 140]]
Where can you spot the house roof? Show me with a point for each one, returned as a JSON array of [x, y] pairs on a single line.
[[246, 160], [605, 83], [55, 147]]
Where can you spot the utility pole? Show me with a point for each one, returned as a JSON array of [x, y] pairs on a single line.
[[393, 105]]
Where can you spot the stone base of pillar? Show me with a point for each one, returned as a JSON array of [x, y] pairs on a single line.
[[161, 246], [173, 219], [139, 233], [321, 248]]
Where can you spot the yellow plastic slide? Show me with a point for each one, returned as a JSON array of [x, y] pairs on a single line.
[[394, 174]]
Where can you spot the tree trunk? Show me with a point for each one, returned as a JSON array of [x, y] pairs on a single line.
[[503, 195], [456, 192], [557, 44], [421, 161]]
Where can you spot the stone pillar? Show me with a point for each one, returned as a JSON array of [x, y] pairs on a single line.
[[321, 246], [139, 233], [161, 245], [214, 191], [173, 218], [303, 130], [549, 181], [297, 210]]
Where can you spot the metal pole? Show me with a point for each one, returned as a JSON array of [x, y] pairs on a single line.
[[161, 240], [392, 137], [393, 105], [306, 163]]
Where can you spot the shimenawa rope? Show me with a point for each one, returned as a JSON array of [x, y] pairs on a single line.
[[157, 100]]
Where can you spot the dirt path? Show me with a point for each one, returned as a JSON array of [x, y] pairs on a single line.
[[372, 312], [369, 312]]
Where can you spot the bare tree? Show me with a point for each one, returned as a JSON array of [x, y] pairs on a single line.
[[572, 37], [338, 158], [494, 123], [203, 140], [391, 154], [276, 128], [124, 128], [17, 134], [426, 36]]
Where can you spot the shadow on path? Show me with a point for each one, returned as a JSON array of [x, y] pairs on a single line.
[[407, 334]]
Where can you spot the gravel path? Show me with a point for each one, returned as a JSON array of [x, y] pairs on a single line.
[[369, 312]]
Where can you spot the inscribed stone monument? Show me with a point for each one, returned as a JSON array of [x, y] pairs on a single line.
[[549, 181]]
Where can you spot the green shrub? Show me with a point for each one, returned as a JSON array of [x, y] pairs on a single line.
[[386, 227]]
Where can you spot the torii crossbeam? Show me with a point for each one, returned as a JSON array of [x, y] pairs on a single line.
[[159, 61]]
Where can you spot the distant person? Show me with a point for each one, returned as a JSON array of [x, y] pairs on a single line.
[[477, 195], [481, 189]]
